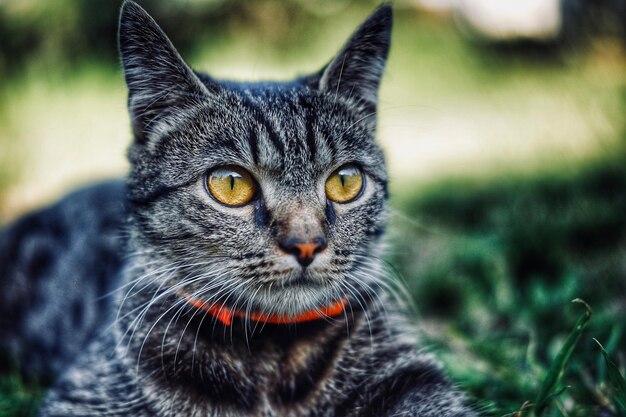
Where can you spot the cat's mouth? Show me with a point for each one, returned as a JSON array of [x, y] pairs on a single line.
[[303, 278]]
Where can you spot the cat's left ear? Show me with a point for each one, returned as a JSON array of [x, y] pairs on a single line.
[[357, 69]]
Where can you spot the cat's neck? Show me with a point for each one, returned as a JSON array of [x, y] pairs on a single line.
[[183, 350]]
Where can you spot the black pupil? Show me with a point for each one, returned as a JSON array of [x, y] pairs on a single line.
[[232, 182], [345, 173]]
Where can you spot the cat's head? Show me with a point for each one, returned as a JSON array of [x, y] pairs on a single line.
[[263, 197]]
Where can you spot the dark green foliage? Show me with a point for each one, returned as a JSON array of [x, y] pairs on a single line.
[[18, 398], [499, 262], [617, 383], [551, 389]]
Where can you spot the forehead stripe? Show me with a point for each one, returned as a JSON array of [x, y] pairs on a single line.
[[253, 142], [330, 141], [310, 136], [310, 132], [262, 120]]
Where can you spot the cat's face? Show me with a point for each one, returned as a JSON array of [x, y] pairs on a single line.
[[266, 197]]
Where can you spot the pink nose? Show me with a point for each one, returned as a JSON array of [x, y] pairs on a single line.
[[304, 251]]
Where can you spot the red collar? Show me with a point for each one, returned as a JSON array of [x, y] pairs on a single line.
[[225, 314]]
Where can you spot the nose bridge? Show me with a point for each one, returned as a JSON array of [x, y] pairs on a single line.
[[302, 222]]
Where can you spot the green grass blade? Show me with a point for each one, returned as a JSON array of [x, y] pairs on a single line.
[[559, 364], [616, 379]]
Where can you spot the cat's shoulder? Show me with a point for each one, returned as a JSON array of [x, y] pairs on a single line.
[[95, 383]]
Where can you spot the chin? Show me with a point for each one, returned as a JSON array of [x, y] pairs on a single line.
[[291, 300]]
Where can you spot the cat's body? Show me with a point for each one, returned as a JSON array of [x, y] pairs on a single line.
[[251, 282], [207, 369], [56, 267]]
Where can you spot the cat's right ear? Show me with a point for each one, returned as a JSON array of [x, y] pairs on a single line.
[[159, 82], [357, 69]]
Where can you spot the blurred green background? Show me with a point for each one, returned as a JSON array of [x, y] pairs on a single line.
[[507, 162]]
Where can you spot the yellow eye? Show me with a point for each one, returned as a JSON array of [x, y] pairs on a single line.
[[345, 184], [231, 185]]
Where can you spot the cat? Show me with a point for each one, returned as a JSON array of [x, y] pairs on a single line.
[[247, 280]]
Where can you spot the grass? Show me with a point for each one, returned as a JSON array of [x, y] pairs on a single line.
[[617, 383], [493, 274], [18, 397]]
